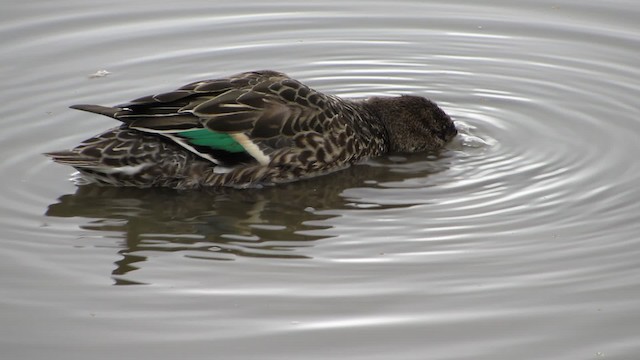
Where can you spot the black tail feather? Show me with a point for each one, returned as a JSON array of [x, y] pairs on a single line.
[[98, 109]]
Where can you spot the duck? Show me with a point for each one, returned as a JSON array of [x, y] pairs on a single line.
[[249, 130]]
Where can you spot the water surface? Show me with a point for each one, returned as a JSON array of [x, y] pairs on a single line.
[[520, 241]]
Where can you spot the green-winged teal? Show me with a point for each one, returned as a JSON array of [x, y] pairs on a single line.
[[249, 130]]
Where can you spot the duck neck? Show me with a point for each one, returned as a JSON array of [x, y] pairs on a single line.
[[375, 124]]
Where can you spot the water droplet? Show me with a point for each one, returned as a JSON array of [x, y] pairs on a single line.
[[99, 74]]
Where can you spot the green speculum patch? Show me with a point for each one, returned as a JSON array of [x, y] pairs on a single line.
[[212, 139]]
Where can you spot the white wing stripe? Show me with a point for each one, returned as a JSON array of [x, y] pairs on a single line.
[[251, 148]]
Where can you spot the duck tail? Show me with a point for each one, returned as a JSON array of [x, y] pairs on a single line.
[[73, 158], [112, 112]]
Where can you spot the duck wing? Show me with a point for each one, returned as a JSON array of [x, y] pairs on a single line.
[[239, 119]]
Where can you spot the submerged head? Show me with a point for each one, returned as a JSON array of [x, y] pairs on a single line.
[[413, 122]]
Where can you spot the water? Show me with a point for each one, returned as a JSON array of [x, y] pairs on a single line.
[[518, 242]]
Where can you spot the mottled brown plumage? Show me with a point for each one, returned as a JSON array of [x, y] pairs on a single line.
[[250, 129]]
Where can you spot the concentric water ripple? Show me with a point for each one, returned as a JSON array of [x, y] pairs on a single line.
[[517, 241]]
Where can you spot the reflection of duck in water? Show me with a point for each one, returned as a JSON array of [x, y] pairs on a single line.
[[224, 223], [250, 129]]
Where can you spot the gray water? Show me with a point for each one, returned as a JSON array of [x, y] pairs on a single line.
[[520, 241]]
